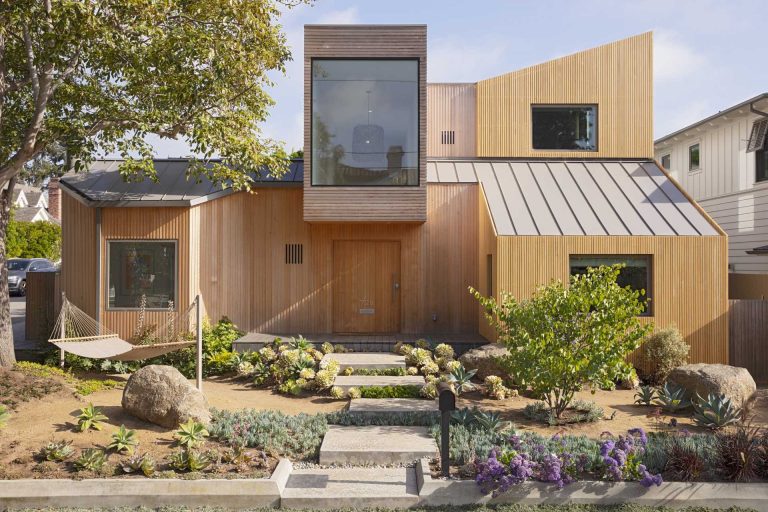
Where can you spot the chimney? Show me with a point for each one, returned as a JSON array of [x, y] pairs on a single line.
[[54, 199]]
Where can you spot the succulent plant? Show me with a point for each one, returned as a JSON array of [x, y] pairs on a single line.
[[123, 439], [645, 395], [445, 351], [337, 393], [260, 373], [672, 398], [191, 433], [90, 417], [715, 412], [189, 460], [57, 451], [326, 348], [462, 380], [490, 421], [464, 417], [139, 463], [354, 393], [300, 343], [91, 459]]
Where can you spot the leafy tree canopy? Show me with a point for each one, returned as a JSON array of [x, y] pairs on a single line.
[[34, 240]]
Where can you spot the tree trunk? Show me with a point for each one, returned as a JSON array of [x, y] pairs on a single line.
[[7, 353]]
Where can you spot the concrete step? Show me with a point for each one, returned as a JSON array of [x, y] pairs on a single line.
[[360, 381], [368, 360], [392, 405], [375, 445], [351, 488]]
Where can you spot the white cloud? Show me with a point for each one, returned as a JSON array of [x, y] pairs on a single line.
[[673, 59], [341, 17], [456, 60]]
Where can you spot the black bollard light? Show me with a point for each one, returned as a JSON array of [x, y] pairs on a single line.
[[446, 399]]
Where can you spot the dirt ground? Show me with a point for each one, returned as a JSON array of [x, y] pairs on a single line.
[[34, 423]]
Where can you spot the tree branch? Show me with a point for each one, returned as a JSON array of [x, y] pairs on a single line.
[[31, 67]]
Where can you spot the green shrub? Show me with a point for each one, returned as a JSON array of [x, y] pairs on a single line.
[[566, 337], [390, 392], [33, 240], [664, 351], [580, 411]]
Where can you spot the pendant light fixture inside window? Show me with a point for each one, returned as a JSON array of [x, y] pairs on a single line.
[[368, 140]]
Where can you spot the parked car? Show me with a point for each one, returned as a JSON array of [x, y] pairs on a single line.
[[17, 272]]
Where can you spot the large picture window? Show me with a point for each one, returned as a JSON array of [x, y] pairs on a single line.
[[564, 127], [142, 269], [365, 122], [636, 274]]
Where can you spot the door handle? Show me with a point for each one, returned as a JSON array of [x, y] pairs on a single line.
[[396, 286]]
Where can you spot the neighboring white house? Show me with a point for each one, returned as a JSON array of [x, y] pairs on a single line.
[[722, 161]]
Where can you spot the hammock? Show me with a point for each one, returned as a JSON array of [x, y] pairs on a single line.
[[79, 334]]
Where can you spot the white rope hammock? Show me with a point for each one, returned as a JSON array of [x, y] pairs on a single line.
[[79, 334]]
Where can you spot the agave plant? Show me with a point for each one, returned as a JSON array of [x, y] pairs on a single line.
[[91, 459], [300, 343], [139, 463], [645, 395], [57, 451], [90, 417], [260, 373], [191, 433], [123, 439], [490, 421], [461, 380], [464, 417], [189, 460], [672, 398], [716, 412]]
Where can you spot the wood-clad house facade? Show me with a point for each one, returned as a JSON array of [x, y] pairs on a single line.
[[391, 217]]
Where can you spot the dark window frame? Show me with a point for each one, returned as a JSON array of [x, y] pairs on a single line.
[[698, 164], [594, 106], [649, 290], [761, 160], [661, 161], [176, 283], [418, 121]]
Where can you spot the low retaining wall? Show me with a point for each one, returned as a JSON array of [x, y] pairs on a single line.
[[436, 492], [146, 492]]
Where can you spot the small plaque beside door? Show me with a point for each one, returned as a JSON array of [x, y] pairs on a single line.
[[367, 311]]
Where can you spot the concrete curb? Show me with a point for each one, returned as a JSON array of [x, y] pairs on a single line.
[[435, 492], [146, 492]]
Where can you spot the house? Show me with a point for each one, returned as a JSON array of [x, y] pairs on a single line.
[[408, 194], [35, 204], [722, 161], [32, 214]]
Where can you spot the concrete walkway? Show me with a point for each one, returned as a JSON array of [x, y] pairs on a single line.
[[360, 381], [376, 445], [367, 360]]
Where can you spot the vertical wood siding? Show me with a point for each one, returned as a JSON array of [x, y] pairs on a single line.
[[618, 77], [487, 244], [243, 273], [451, 107], [365, 204], [145, 224], [690, 283], [748, 334], [78, 253]]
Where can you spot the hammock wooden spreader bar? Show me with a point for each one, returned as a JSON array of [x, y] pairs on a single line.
[[77, 333]]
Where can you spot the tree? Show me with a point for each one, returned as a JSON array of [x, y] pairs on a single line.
[[564, 338], [33, 240], [99, 75]]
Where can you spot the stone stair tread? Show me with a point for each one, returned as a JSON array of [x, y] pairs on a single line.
[[392, 405], [351, 488], [368, 360], [375, 445], [360, 381]]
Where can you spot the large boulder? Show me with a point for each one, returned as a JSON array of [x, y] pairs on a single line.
[[731, 381], [163, 396], [485, 360]]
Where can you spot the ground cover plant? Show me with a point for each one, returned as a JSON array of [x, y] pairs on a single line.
[[568, 337]]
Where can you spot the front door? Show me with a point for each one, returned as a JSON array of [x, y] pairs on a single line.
[[366, 286]]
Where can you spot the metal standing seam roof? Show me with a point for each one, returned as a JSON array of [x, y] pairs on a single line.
[[577, 198], [102, 185]]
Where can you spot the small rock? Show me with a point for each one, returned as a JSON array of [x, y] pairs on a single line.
[[163, 396], [720, 379]]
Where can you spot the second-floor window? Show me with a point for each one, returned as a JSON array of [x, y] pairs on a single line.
[[666, 161], [761, 165], [365, 122], [564, 127], [694, 157]]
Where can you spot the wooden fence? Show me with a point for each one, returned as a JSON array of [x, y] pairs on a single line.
[[43, 304], [748, 337], [748, 286]]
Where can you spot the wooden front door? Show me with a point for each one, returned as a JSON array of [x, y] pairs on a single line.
[[366, 286]]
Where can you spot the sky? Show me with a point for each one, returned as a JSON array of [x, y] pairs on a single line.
[[708, 55]]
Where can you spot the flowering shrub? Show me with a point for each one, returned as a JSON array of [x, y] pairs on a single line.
[[497, 477], [622, 458]]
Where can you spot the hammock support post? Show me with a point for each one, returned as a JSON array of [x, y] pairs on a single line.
[[61, 330], [199, 351]]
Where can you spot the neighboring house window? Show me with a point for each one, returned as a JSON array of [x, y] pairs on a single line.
[[666, 161], [761, 165], [636, 274], [365, 122], [142, 268], [564, 127], [694, 157]]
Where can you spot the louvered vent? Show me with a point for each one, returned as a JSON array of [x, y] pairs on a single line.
[[294, 254], [757, 137], [448, 137]]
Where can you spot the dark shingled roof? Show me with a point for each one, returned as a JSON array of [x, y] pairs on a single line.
[[763, 249], [102, 185]]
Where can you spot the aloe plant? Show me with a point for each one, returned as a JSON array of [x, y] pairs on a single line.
[[91, 459], [191, 433], [645, 395], [491, 421], [300, 343], [461, 379], [123, 439], [464, 417], [90, 418], [715, 412], [672, 398]]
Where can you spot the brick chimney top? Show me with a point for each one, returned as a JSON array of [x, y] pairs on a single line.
[[54, 199]]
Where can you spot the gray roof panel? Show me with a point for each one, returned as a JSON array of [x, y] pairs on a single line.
[[589, 197]]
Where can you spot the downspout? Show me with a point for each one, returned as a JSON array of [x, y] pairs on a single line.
[[98, 266]]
